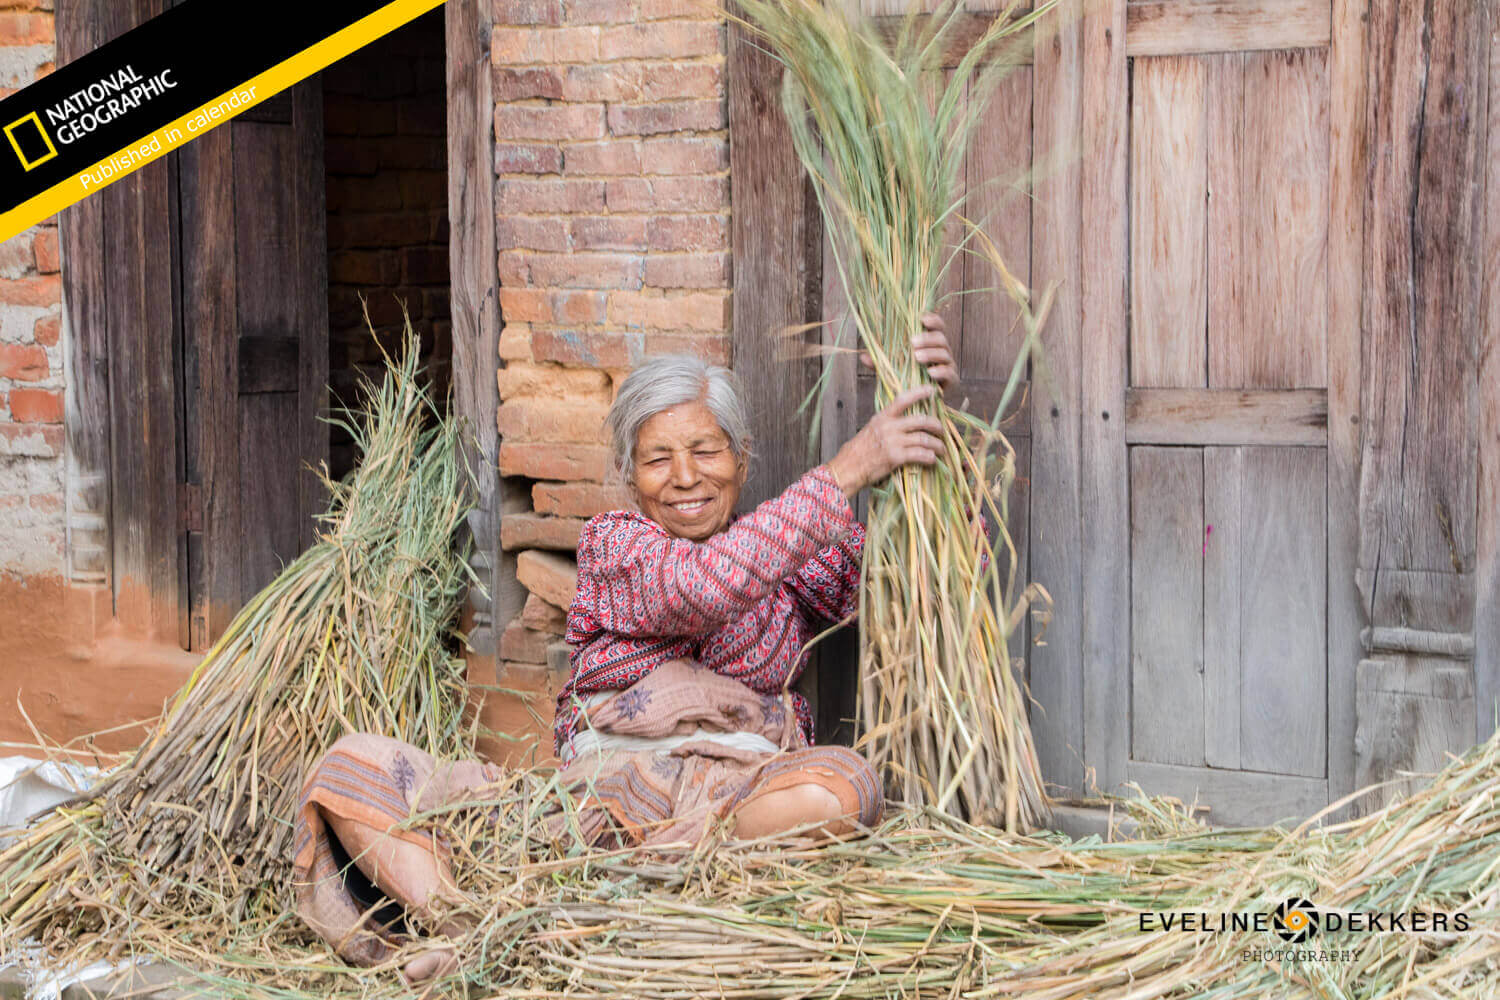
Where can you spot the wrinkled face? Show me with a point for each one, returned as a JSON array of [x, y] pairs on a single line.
[[687, 477]]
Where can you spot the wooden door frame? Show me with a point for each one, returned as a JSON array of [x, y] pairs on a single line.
[[476, 314]]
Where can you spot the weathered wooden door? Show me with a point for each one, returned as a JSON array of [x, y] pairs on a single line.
[[255, 348], [1235, 511], [197, 305], [1186, 468]]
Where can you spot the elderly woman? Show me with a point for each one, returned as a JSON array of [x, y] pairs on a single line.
[[688, 626], [690, 623]]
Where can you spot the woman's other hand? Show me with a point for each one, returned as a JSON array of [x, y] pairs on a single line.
[[930, 347], [891, 439]]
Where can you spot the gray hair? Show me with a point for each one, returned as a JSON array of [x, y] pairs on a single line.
[[668, 380]]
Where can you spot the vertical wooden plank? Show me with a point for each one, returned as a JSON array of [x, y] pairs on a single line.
[[1423, 255], [770, 234], [81, 234], [310, 225], [210, 304], [1283, 624], [1169, 185], [270, 443], [475, 305], [1285, 224], [1223, 554], [1104, 249], [1348, 158], [270, 536], [1487, 574], [999, 166], [1227, 261], [1056, 521], [1166, 605]]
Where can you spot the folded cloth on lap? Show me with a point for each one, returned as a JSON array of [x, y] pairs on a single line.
[[699, 744]]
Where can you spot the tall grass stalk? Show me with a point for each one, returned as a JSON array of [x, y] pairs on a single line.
[[884, 138]]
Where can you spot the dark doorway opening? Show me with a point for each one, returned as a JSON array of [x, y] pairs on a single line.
[[386, 160]]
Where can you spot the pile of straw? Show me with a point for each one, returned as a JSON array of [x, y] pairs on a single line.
[[928, 906], [884, 139], [356, 634]]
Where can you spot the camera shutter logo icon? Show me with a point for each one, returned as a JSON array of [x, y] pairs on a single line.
[[32, 144], [1296, 920]]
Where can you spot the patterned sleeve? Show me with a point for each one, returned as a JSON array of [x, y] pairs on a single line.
[[827, 585], [635, 579]]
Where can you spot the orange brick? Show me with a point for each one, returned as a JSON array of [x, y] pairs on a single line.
[[23, 363], [563, 421], [607, 82], [688, 270], [587, 270], [43, 291], [665, 81], [525, 305], [533, 531], [36, 406], [666, 116], [45, 249], [515, 343], [521, 378], [48, 330], [532, 197], [530, 82], [579, 499], [25, 29], [689, 311], [679, 40], [711, 347], [556, 121], [551, 577], [531, 233], [548, 461], [528, 12], [602, 158], [685, 156], [542, 616], [527, 159], [608, 232], [601, 349], [689, 232]]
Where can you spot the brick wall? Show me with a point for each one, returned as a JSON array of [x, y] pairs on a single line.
[[32, 514], [612, 201], [384, 110]]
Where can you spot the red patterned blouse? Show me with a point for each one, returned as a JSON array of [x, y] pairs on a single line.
[[742, 603]]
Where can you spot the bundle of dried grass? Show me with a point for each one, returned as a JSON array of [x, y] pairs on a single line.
[[883, 138], [356, 634]]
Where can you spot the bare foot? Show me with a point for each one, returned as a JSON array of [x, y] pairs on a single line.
[[431, 965]]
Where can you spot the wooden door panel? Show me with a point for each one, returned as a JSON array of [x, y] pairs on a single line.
[[1265, 581], [1166, 605], [1268, 165], [1168, 178]]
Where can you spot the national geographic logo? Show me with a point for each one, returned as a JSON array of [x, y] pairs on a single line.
[[30, 141]]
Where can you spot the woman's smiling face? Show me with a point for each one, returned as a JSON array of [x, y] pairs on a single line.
[[687, 478]]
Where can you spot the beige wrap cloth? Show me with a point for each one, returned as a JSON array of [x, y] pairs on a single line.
[[691, 760]]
